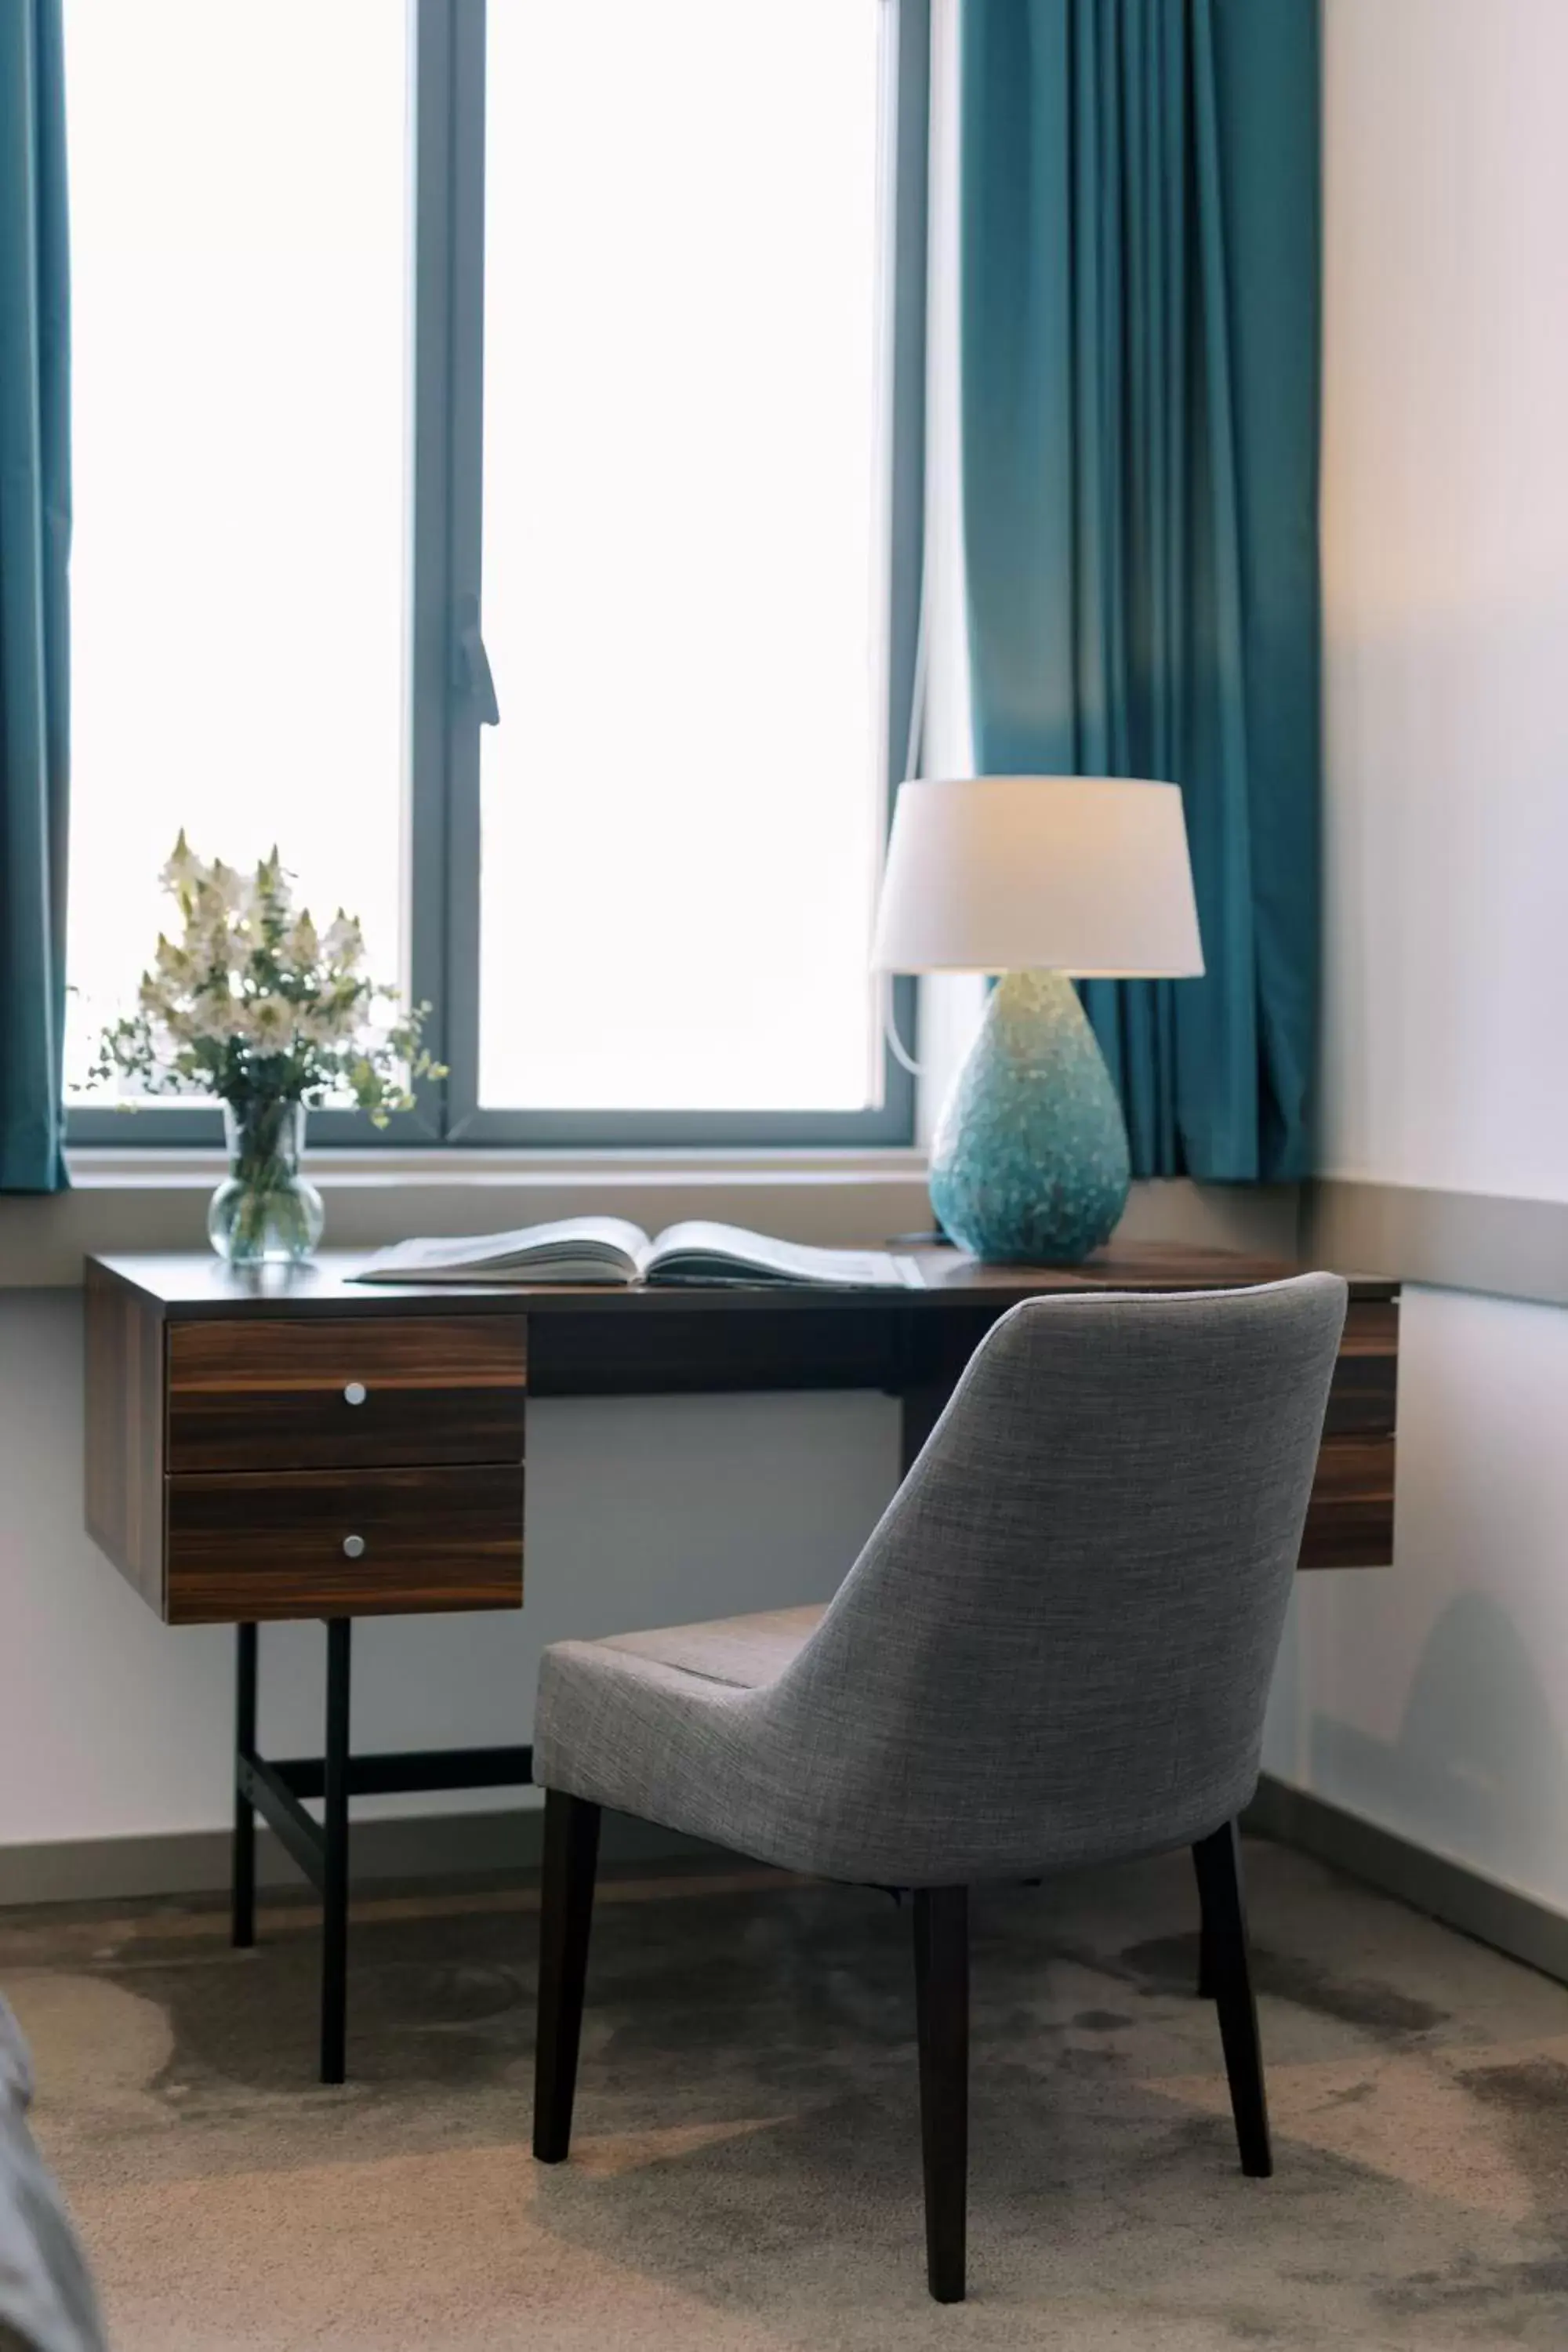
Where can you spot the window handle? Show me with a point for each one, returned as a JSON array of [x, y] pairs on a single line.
[[473, 663]]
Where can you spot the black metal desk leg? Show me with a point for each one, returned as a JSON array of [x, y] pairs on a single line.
[[242, 1907], [335, 1851]]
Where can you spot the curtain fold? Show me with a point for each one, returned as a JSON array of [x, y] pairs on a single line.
[[35, 544], [1140, 229]]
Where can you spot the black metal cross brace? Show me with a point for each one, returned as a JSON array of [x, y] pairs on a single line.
[[278, 1793]]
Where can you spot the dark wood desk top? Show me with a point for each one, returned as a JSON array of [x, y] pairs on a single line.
[[193, 1284], [243, 1427]]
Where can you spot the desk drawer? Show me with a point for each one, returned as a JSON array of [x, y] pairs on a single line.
[[264, 1544], [1363, 1398], [346, 1392], [1349, 1519]]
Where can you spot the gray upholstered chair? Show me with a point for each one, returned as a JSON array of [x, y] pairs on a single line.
[[1055, 1649]]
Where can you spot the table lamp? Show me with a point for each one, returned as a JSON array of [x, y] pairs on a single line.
[[1041, 879]]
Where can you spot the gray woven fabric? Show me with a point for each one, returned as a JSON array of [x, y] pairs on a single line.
[[1055, 1647], [46, 2302], [745, 1651]]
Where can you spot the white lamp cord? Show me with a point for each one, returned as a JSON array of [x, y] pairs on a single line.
[[895, 1044]]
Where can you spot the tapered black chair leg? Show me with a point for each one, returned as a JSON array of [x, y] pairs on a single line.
[[1218, 1862], [1206, 1949], [941, 2006], [566, 1912]]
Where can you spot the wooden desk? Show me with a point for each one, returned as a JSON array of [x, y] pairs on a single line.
[[290, 1443]]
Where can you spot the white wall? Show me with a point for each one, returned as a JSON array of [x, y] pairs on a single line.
[[638, 1513], [1445, 587], [1434, 1700]]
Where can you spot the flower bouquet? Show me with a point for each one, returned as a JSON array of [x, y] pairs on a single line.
[[253, 1004]]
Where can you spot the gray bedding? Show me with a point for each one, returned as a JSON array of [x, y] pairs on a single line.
[[46, 2302]]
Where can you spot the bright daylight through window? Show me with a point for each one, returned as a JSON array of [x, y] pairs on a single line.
[[680, 806], [237, 299], [648, 891]]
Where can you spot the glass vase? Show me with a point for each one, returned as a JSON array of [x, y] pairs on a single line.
[[265, 1215]]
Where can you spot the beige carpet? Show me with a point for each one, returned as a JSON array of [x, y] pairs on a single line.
[[746, 2173]]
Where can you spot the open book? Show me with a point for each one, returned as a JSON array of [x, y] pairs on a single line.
[[610, 1249]]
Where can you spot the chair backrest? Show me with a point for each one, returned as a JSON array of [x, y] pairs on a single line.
[[1056, 1646]]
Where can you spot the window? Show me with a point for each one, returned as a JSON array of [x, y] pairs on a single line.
[[237, 425], [580, 352]]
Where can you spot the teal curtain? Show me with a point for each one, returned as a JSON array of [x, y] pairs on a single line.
[[35, 544], [1140, 396]]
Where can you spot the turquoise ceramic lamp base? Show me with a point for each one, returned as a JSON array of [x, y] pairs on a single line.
[[1029, 1164]]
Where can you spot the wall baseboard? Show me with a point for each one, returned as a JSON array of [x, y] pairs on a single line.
[[428, 1845], [450, 1846], [1447, 1891]]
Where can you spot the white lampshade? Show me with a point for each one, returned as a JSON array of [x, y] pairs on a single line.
[[1086, 875]]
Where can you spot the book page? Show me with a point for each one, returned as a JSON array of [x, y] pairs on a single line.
[[578, 1248], [698, 1251]]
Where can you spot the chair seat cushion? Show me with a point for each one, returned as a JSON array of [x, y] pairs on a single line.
[[655, 1724], [744, 1651]]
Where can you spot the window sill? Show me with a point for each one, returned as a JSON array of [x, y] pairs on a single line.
[[149, 1199]]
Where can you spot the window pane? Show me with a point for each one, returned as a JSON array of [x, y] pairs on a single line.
[[237, 232], [682, 803]]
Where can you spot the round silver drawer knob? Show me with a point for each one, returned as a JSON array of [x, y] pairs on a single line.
[[354, 1546], [355, 1392]]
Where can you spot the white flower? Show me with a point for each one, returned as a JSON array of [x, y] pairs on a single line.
[[214, 1016], [183, 865], [155, 996], [215, 998], [269, 1024], [171, 963], [342, 943], [301, 946], [228, 886], [269, 895], [212, 945], [323, 1023]]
